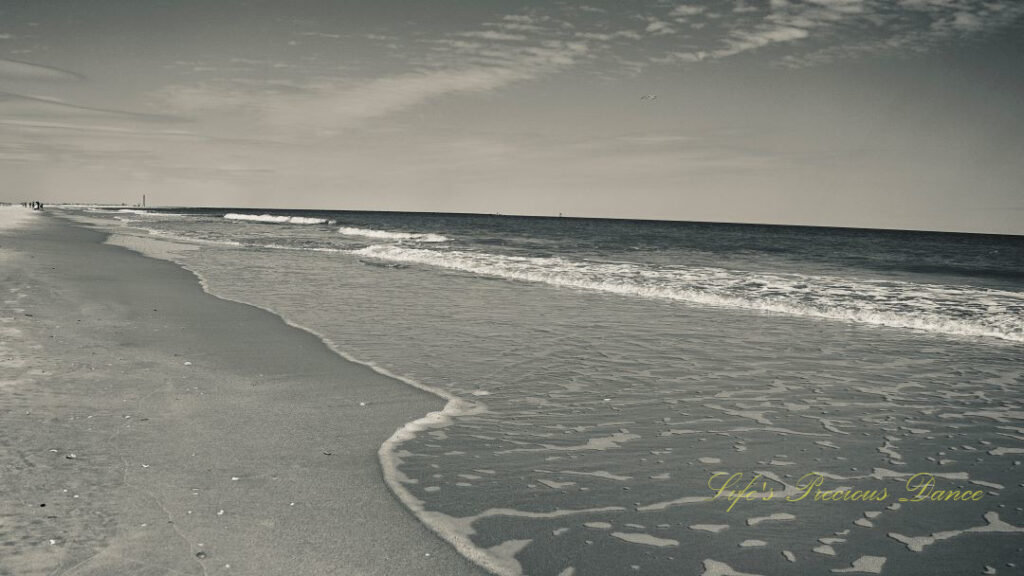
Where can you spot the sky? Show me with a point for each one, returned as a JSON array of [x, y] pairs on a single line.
[[885, 114]]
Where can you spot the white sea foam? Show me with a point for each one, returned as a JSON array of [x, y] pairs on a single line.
[[994, 524], [776, 517], [957, 310], [713, 528], [864, 565], [599, 474], [716, 568], [386, 235], [645, 539], [271, 219]]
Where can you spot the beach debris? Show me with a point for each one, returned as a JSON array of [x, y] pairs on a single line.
[[201, 555], [71, 456], [326, 453], [220, 512], [52, 541], [188, 363], [362, 403], [234, 478], [145, 465]]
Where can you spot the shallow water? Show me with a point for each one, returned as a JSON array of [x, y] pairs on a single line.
[[604, 371]]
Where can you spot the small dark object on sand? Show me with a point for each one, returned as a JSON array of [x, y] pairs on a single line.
[[201, 555]]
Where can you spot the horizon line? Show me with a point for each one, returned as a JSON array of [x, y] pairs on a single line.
[[559, 216]]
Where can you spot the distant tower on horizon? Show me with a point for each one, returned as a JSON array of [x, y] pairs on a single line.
[[143, 200]]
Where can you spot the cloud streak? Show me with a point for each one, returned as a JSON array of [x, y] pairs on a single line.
[[469, 62], [14, 70], [821, 31]]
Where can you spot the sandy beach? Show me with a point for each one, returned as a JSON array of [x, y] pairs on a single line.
[[150, 428]]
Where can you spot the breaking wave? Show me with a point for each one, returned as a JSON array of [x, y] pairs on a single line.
[[385, 235], [271, 219], [958, 310]]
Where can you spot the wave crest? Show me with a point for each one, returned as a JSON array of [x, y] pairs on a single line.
[[958, 310], [271, 219], [385, 235]]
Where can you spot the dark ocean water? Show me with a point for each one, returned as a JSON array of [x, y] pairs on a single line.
[[601, 372], [953, 283], [988, 259]]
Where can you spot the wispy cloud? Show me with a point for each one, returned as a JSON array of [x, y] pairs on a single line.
[[493, 35], [658, 27], [516, 48], [914, 26], [330, 109], [683, 10], [819, 31], [13, 70]]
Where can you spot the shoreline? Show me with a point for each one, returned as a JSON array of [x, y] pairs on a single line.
[[221, 385], [389, 461]]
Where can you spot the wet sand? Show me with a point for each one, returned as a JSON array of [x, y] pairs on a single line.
[[150, 428]]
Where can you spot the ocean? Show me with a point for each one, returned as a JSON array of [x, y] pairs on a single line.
[[606, 379]]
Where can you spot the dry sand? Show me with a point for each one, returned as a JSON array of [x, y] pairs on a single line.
[[147, 427]]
